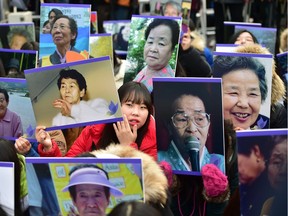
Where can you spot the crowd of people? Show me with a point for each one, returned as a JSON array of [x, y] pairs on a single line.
[[227, 184]]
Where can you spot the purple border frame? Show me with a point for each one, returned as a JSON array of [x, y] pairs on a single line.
[[17, 24], [243, 54], [255, 28], [18, 51], [156, 17], [58, 66], [229, 23], [187, 79], [116, 21], [65, 5], [6, 164], [100, 34], [81, 160], [282, 54], [263, 132]]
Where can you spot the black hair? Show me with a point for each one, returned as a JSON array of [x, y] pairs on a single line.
[[72, 189], [137, 93], [73, 74], [72, 25], [56, 11], [134, 208], [226, 64], [45, 23], [234, 37], [247, 143], [6, 95], [172, 24], [33, 45]]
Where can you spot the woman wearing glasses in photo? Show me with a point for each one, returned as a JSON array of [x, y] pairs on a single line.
[[64, 32], [189, 126]]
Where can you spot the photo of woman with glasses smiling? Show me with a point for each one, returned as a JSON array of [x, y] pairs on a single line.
[[191, 121]]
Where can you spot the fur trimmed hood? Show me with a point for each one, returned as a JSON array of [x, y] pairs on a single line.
[[278, 87], [155, 181]]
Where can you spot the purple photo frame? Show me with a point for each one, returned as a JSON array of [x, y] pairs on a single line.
[[170, 143], [42, 84], [20, 103], [53, 175]]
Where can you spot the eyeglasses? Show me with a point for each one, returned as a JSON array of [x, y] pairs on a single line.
[[181, 120], [61, 27]]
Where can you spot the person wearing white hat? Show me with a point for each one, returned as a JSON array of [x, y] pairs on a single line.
[[90, 189]]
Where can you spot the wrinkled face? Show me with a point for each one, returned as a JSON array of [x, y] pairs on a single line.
[[277, 167], [70, 91], [191, 106], [61, 32], [241, 97], [17, 42], [137, 114], [171, 11], [248, 167], [3, 105], [157, 49], [90, 200], [46, 29], [244, 38]]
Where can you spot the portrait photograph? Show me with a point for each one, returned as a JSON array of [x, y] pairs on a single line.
[[152, 48], [14, 62], [17, 109], [247, 83], [63, 23], [74, 94], [15, 35], [101, 45], [262, 167], [120, 31], [107, 182], [189, 125], [7, 195], [266, 36]]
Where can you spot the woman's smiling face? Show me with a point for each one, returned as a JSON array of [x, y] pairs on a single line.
[[241, 97]]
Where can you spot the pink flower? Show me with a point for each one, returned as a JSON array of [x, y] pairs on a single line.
[[215, 182]]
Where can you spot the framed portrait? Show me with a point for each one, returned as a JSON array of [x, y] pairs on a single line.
[[120, 31], [21, 107], [189, 125], [14, 35], [14, 62], [101, 45], [145, 52], [258, 69], [7, 195], [266, 36], [95, 98], [80, 13], [124, 177], [262, 170]]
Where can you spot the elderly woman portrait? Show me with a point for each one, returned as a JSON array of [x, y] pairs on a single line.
[[187, 126], [160, 39], [64, 32], [244, 90]]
